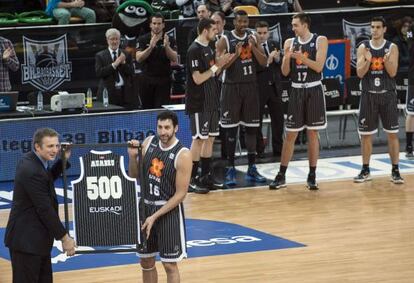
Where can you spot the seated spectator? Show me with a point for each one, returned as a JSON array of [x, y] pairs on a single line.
[[403, 40], [223, 6], [104, 9], [245, 3], [279, 6], [188, 8], [62, 10]]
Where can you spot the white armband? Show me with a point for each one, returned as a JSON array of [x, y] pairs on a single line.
[[214, 69]]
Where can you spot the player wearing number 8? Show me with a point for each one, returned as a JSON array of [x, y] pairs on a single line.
[[377, 65], [167, 170], [303, 62]]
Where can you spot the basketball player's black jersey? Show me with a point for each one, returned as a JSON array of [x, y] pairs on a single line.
[[299, 72], [213, 43], [243, 69], [411, 65], [203, 97], [160, 170], [105, 202], [377, 78]]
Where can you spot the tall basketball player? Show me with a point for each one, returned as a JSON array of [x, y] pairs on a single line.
[[203, 103], [304, 59], [167, 171], [409, 120], [377, 65], [239, 96]]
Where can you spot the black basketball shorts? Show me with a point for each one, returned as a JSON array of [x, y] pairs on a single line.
[[306, 109], [239, 105], [374, 106], [204, 124], [167, 237]]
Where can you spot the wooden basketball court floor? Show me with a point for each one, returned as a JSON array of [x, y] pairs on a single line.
[[352, 232]]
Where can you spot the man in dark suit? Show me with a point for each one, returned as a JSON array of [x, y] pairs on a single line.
[[268, 81], [34, 220], [114, 68]]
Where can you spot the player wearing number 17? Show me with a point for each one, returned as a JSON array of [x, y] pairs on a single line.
[[377, 65], [166, 176], [304, 59]]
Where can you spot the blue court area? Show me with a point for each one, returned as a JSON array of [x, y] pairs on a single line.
[[204, 238]]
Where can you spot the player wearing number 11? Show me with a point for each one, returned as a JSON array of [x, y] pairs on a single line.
[[239, 95], [377, 65], [167, 170], [304, 59]]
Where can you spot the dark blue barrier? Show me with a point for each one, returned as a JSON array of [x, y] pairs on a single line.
[[16, 135]]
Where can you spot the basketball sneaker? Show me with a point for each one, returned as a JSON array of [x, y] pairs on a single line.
[[208, 181], [396, 177], [409, 155], [192, 185], [253, 175], [311, 182], [363, 177], [230, 176], [279, 182]]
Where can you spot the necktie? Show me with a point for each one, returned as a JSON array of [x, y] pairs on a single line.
[[117, 73], [264, 44]]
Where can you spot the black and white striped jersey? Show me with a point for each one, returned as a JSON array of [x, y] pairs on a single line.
[[243, 69], [377, 78], [159, 167], [105, 205], [299, 72], [206, 96]]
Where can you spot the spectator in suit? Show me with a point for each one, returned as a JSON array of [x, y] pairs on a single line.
[[62, 10], [8, 62], [156, 51], [268, 81], [34, 220], [113, 66]]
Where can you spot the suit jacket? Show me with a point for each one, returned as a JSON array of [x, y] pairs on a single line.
[[107, 75], [271, 73], [34, 221]]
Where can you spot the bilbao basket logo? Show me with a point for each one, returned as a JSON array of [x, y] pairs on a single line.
[[356, 33], [46, 64]]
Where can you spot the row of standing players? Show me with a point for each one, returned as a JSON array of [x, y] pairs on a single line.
[[226, 71]]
